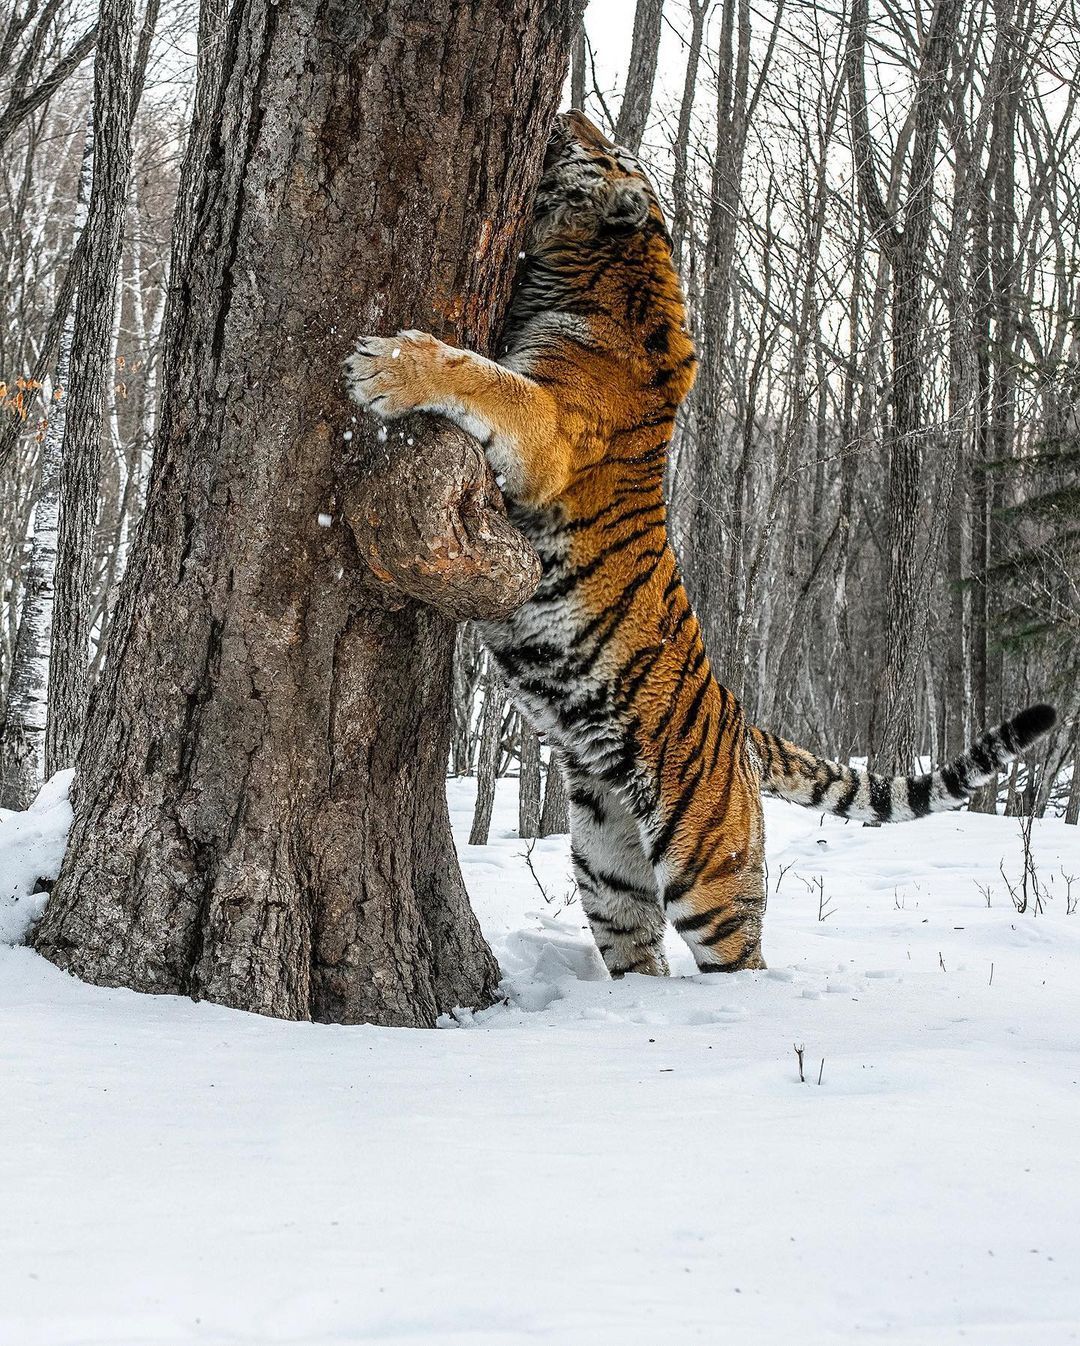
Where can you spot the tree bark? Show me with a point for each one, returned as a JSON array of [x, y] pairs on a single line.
[[261, 815]]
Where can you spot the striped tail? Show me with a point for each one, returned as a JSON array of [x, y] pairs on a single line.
[[799, 776]]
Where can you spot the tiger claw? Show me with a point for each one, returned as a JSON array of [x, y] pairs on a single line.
[[387, 374]]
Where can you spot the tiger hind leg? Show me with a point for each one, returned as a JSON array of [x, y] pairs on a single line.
[[720, 922], [715, 899], [616, 881]]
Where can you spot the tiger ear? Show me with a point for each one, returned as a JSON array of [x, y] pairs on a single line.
[[627, 205]]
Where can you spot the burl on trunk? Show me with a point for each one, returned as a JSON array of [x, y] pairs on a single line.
[[260, 806]]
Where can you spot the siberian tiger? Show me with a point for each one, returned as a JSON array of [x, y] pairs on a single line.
[[664, 774]]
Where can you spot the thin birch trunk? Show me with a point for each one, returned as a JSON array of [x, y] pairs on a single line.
[[23, 732]]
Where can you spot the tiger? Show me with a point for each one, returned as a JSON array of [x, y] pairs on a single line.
[[664, 774]]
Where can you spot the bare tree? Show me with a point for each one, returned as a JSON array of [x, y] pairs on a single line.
[[641, 74], [893, 726], [530, 780], [555, 817], [719, 558], [119, 72], [681, 148], [31, 67], [487, 767]]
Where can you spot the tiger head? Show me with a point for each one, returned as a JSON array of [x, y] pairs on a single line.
[[589, 186]]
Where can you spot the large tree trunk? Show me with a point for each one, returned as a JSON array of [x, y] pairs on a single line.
[[260, 808]]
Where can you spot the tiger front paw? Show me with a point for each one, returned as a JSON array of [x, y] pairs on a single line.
[[393, 375]]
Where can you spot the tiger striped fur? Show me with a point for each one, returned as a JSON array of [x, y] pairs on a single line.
[[664, 774]]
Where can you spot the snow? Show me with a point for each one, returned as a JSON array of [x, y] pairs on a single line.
[[593, 1162], [31, 848]]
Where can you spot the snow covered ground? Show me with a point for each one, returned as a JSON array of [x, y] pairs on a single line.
[[595, 1162]]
